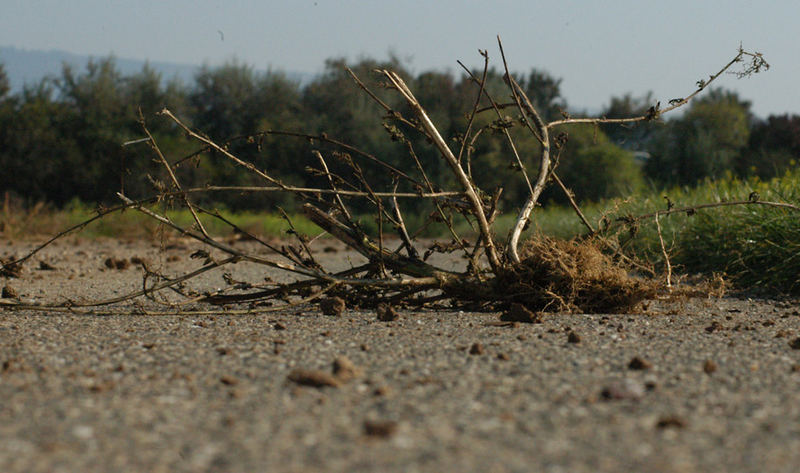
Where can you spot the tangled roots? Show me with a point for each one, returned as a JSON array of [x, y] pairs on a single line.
[[571, 276]]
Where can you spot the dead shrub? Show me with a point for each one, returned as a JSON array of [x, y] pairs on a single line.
[[571, 276]]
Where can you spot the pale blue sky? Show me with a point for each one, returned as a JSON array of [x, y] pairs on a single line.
[[599, 48]]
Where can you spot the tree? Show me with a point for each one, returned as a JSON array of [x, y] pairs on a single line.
[[595, 168], [705, 142], [544, 91], [231, 103], [5, 86], [38, 161], [634, 137], [774, 146]]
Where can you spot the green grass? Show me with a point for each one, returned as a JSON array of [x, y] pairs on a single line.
[[757, 247]]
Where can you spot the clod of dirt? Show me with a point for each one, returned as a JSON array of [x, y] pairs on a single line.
[[573, 337], [638, 363], [115, 263], [9, 270], [714, 327], [332, 305], [709, 366], [137, 260], [380, 428], [520, 313], [386, 313], [45, 266], [345, 370], [476, 349], [571, 276], [670, 422], [14, 365], [9, 292], [627, 389], [795, 344], [228, 380], [314, 378]]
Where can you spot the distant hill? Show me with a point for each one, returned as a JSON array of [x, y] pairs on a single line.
[[25, 66]]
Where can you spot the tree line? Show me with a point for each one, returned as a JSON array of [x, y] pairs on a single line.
[[61, 138]]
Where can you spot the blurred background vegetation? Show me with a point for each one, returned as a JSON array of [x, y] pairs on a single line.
[[61, 139]]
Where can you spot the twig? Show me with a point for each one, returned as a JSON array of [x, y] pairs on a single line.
[[101, 212], [664, 252], [154, 146], [315, 190], [656, 111], [336, 194], [447, 153], [540, 131], [311, 262], [691, 209], [401, 228], [572, 202], [223, 151], [220, 246], [473, 114]]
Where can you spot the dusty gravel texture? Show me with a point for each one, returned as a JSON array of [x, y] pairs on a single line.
[[682, 386]]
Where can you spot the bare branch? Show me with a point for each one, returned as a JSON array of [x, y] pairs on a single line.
[[472, 195]]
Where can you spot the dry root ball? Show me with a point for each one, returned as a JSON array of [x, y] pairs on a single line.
[[571, 276]]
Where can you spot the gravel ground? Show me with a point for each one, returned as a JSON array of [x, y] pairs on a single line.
[[683, 386]]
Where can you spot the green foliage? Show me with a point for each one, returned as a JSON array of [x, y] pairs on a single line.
[[594, 168], [630, 136], [17, 221], [61, 139], [5, 86], [230, 104], [544, 91], [757, 247], [774, 146], [705, 142]]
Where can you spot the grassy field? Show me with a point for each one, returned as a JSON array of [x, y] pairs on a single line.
[[757, 247]]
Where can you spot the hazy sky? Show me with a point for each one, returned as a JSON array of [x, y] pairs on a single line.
[[599, 49]]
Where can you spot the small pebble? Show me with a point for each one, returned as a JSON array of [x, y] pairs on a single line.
[[314, 378], [621, 390], [380, 428], [520, 313], [670, 422], [386, 313], [228, 380]]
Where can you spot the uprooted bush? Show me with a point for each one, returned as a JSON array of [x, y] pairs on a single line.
[[541, 274]]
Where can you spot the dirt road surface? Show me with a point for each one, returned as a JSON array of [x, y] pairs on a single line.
[[682, 386]]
